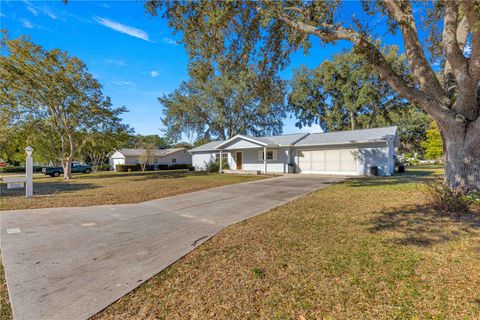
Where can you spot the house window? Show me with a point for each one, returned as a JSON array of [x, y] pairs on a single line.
[[224, 156], [174, 160], [271, 155], [155, 161]]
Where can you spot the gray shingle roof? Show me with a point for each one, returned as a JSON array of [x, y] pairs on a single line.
[[156, 152], [286, 139], [305, 139], [348, 136], [207, 146]]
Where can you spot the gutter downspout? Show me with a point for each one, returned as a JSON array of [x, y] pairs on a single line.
[[221, 160], [265, 160]]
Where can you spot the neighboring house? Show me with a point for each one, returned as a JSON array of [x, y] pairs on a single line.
[[159, 157], [344, 153]]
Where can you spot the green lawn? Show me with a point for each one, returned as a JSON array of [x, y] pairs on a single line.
[[367, 248], [112, 188]]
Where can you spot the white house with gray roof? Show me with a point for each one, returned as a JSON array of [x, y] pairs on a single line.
[[341, 153], [159, 157]]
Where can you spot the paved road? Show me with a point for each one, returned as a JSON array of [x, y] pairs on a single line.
[[70, 263]]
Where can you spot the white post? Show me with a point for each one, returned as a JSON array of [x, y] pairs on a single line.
[[221, 162], [265, 160], [29, 172]]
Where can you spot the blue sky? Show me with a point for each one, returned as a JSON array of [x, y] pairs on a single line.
[[135, 56]]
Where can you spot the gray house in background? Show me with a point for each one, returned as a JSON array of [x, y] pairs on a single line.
[[159, 157], [340, 153]]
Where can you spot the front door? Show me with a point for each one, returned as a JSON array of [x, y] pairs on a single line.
[[239, 160]]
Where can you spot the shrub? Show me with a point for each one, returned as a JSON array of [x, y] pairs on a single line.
[[258, 272], [214, 166], [162, 167], [102, 167], [19, 169], [179, 166], [128, 167], [444, 199]]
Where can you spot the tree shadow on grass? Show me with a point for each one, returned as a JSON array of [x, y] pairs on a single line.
[[47, 188], [140, 174], [162, 176], [397, 179], [422, 226]]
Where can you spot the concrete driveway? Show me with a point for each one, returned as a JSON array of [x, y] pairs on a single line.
[[70, 263]]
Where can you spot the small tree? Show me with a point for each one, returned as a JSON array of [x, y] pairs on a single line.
[[56, 92], [147, 155], [433, 144]]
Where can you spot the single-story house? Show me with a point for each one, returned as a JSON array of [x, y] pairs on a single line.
[[343, 153], [159, 157]]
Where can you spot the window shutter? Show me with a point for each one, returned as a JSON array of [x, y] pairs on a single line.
[[274, 154], [260, 155]]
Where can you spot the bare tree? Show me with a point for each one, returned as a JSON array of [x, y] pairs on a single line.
[[147, 156]]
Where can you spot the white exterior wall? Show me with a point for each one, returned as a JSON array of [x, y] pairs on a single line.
[[380, 154], [182, 157], [251, 161], [375, 154], [391, 156], [201, 159], [114, 161]]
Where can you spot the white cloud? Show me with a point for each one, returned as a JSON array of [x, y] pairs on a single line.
[[170, 41], [105, 5], [27, 24], [131, 31], [116, 62], [36, 10], [33, 10], [154, 73], [49, 13], [122, 83]]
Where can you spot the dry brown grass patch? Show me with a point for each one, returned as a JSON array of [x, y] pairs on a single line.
[[366, 248]]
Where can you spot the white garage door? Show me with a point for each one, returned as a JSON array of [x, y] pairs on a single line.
[[339, 161]]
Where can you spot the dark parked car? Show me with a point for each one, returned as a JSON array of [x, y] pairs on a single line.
[[76, 167]]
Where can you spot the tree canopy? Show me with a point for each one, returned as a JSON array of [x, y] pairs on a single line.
[[53, 95], [224, 104], [265, 33], [345, 93], [138, 140]]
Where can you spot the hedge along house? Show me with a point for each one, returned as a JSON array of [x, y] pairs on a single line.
[[159, 157], [341, 153]]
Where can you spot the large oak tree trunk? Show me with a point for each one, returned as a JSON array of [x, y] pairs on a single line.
[[462, 158]]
